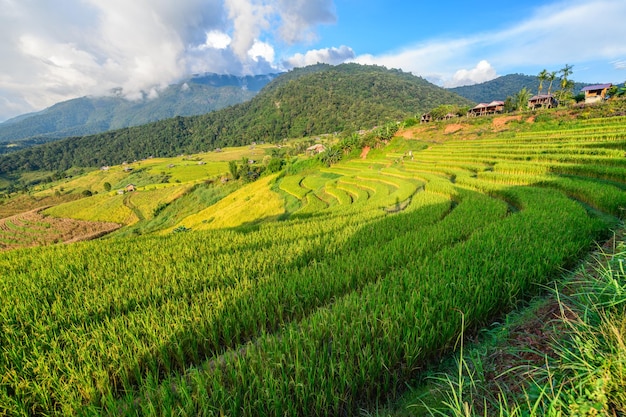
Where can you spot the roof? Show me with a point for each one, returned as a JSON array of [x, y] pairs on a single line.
[[596, 87], [496, 103], [540, 96]]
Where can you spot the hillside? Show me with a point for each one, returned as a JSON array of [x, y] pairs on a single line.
[[505, 86], [302, 103], [89, 115], [325, 286]]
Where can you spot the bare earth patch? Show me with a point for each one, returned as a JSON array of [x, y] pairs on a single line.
[[453, 128], [33, 229], [410, 133], [365, 151], [500, 122]]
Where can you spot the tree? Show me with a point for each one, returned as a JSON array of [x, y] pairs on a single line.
[[551, 77], [521, 99], [107, 187], [234, 169], [566, 84], [542, 76]]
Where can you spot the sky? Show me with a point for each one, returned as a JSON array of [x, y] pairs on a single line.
[[55, 50]]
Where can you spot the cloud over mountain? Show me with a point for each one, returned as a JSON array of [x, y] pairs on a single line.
[[53, 51]]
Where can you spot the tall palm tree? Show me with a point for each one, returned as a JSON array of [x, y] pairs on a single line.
[[566, 84], [566, 72], [551, 77], [542, 76]]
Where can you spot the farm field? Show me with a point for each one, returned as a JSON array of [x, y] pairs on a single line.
[[33, 229], [320, 292]]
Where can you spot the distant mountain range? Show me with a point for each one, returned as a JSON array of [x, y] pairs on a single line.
[[200, 94], [301, 103], [88, 115], [505, 86]]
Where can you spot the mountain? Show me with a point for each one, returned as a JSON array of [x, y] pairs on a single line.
[[88, 115], [304, 102], [508, 85]]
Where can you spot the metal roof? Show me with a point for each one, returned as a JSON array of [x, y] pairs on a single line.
[[596, 87]]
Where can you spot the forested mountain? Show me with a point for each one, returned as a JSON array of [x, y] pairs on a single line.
[[303, 102], [89, 115], [505, 86]]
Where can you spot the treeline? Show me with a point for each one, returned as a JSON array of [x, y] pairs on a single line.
[[307, 102], [503, 87]]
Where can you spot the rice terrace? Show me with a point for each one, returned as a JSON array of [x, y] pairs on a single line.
[[323, 286]]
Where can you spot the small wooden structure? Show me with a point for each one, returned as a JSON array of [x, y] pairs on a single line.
[[546, 101], [483, 109], [315, 149], [426, 118], [130, 188], [596, 93]]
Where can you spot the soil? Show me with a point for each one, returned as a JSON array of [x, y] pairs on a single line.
[[453, 128], [529, 343], [365, 151], [34, 229], [500, 122]]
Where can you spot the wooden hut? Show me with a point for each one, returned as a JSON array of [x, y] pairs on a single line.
[[596, 93], [545, 101]]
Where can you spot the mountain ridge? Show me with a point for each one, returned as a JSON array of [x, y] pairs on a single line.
[[199, 94], [304, 102]]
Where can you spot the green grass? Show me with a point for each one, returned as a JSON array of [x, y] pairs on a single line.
[[298, 294]]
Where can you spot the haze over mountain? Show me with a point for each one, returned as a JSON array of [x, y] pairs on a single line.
[[301, 103], [89, 115]]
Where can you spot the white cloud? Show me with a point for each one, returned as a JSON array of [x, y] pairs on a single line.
[[261, 50], [327, 55], [299, 16], [479, 74], [217, 39], [619, 64], [53, 51], [573, 31]]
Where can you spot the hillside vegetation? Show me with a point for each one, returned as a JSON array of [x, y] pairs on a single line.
[[304, 102], [341, 277], [506, 86], [90, 115]]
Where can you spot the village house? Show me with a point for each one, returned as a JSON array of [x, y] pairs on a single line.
[[315, 149], [483, 109], [546, 101], [426, 118], [596, 93], [130, 188]]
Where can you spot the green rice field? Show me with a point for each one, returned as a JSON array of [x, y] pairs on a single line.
[[319, 293]]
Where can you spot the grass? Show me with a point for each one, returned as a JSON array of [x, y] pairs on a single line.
[[251, 203], [303, 296], [562, 354]]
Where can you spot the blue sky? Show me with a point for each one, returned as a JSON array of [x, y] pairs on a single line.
[[55, 50]]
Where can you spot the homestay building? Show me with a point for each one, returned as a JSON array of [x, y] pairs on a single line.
[[315, 149], [596, 93], [545, 101], [484, 109], [426, 118]]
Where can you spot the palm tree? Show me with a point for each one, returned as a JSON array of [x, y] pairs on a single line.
[[566, 84], [566, 72], [521, 99], [551, 77], [542, 76]]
